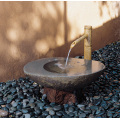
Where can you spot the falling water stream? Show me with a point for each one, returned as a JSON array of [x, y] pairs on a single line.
[[67, 57], [61, 66]]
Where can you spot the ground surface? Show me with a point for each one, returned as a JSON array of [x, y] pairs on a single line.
[[24, 98]]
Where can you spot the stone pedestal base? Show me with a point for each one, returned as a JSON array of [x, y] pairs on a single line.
[[61, 97]]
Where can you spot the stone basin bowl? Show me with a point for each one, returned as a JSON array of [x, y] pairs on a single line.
[[52, 73]]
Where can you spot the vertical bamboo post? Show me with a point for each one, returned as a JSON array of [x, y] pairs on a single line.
[[88, 42]]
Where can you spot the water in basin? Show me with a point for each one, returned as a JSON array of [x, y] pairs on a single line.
[[74, 67]]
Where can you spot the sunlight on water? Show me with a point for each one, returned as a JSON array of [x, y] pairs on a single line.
[[60, 65]]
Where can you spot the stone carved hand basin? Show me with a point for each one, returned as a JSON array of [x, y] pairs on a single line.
[[61, 77], [50, 72]]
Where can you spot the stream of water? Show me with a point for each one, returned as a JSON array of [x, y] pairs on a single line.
[[67, 57]]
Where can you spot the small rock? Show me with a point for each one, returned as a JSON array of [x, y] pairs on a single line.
[[1, 95], [98, 116], [81, 107], [110, 95], [57, 108], [116, 104], [21, 96], [45, 113], [13, 90], [32, 105], [115, 81], [94, 107], [25, 102], [82, 115], [9, 96], [25, 90], [55, 116], [27, 85], [32, 100], [104, 104], [8, 106], [71, 114], [1, 101], [115, 99], [118, 65], [90, 104], [39, 104], [44, 96], [115, 115], [19, 107], [87, 111], [52, 104], [59, 114], [97, 112], [18, 89], [102, 112], [66, 105], [18, 113], [110, 114], [96, 97], [70, 109], [18, 100], [22, 116], [24, 111], [112, 109], [97, 101], [27, 115], [42, 91], [13, 109], [38, 111], [14, 104], [106, 98], [49, 108], [49, 116], [51, 112], [5, 109], [3, 113], [4, 99], [91, 116]]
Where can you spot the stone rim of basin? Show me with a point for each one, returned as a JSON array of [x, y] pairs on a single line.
[[41, 71]]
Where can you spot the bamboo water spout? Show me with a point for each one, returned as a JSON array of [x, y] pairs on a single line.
[[87, 42]]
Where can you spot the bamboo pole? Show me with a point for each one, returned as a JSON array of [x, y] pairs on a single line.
[[88, 42]]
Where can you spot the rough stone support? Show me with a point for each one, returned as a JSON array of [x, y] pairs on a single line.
[[62, 97]]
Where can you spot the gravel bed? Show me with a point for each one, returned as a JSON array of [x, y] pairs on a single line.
[[22, 98]]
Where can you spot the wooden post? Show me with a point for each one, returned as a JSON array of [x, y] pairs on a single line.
[[88, 43]]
